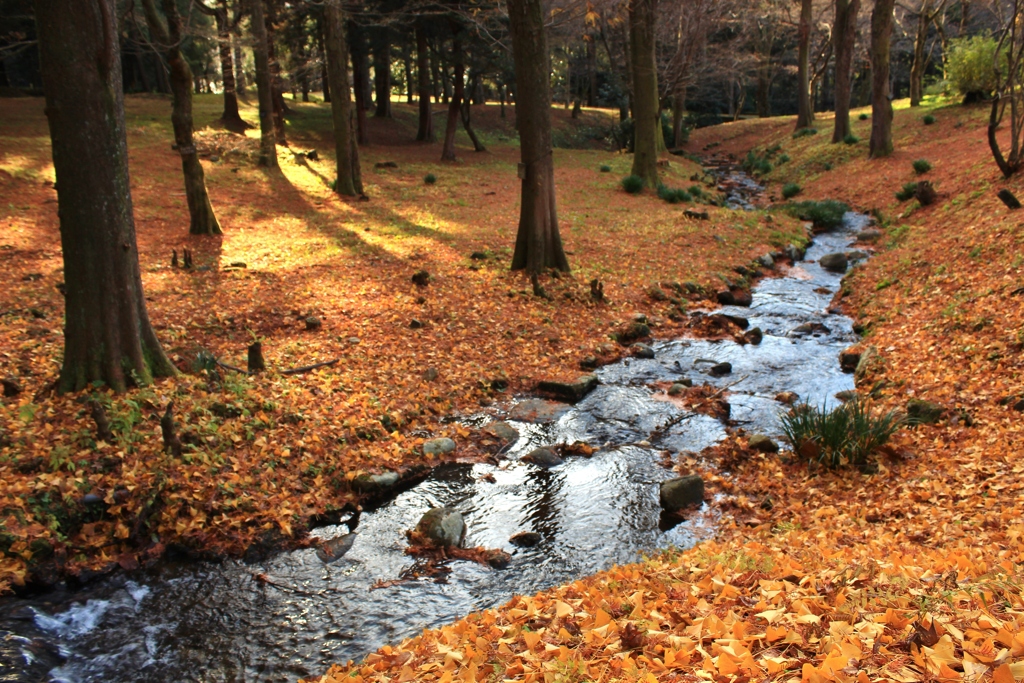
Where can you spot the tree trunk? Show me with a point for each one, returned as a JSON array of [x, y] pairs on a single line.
[[276, 82], [202, 221], [407, 60], [107, 334], [230, 119], [382, 72], [845, 36], [920, 58], [763, 95], [426, 129], [645, 91], [591, 72], [346, 152], [268, 140], [325, 84], [805, 111], [448, 152], [881, 102], [465, 112], [360, 80], [240, 84], [678, 117], [538, 244]]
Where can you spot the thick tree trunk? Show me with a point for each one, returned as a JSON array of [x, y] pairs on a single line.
[[276, 81], [920, 58], [240, 84], [881, 102], [448, 151], [230, 118], [845, 36], [346, 152], [268, 139], [382, 72], [202, 220], [325, 84], [426, 128], [538, 244], [360, 80], [805, 111], [645, 91], [763, 95], [107, 334]]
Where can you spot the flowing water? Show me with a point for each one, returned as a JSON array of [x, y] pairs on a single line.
[[219, 622]]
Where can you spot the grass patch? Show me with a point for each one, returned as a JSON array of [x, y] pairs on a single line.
[[804, 132], [851, 139], [825, 214], [921, 166], [928, 119], [430, 179], [790, 190], [633, 184], [605, 168], [846, 435], [907, 192], [673, 196]]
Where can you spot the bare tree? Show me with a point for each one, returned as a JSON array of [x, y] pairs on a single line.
[[881, 100], [1009, 69]]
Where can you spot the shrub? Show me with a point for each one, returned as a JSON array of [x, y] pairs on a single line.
[[928, 119], [907, 192], [757, 165], [632, 184], [605, 168], [696, 191], [827, 165], [846, 435], [969, 65], [783, 158], [824, 214], [673, 196], [790, 190], [804, 132], [921, 166], [430, 179], [863, 116], [851, 139]]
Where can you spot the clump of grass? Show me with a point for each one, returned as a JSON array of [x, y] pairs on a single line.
[[921, 166], [783, 158], [696, 191], [827, 165], [907, 192], [632, 184], [430, 179], [928, 119], [863, 116], [673, 196], [851, 139], [824, 214], [757, 165], [846, 435], [804, 132], [605, 168], [790, 190]]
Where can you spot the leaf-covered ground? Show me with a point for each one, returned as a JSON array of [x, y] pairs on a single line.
[[912, 573], [265, 453]]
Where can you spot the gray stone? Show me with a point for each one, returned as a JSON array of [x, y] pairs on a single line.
[[682, 492], [760, 442], [766, 261], [525, 539], [676, 389], [634, 331], [443, 527], [923, 411], [847, 395], [835, 262], [808, 328], [570, 391], [794, 253], [754, 336], [641, 351], [543, 457], [92, 499], [857, 255], [869, 360], [313, 323], [374, 483], [502, 430], [438, 446], [787, 397], [333, 549], [537, 410], [870, 235]]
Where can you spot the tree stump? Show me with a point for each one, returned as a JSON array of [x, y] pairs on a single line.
[[925, 194], [256, 363], [1009, 199]]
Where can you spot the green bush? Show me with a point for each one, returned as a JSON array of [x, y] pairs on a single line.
[[851, 139], [673, 196], [824, 214], [783, 158], [790, 190], [928, 119], [846, 435], [921, 166], [605, 168], [757, 165], [863, 116], [969, 65], [632, 184], [804, 132], [430, 179], [907, 192], [696, 191]]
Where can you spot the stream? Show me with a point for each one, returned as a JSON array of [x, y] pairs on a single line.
[[217, 622]]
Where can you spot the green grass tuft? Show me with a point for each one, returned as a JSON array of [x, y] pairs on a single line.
[[928, 119], [863, 116], [632, 184], [846, 435], [907, 192], [921, 166], [824, 214], [605, 168], [430, 179], [804, 132], [851, 139], [790, 190]]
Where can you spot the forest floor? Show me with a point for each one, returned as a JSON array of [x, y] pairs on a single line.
[[911, 573], [268, 453]]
